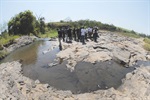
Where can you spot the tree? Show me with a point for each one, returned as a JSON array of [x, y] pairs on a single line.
[[23, 23], [3, 27], [42, 25]]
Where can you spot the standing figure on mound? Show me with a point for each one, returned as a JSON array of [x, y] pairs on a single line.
[[95, 35], [90, 33], [69, 35], [78, 34], [63, 34], [74, 34], [86, 33], [59, 38], [83, 31]]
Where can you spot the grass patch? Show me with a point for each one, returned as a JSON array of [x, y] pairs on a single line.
[[147, 40], [49, 34], [4, 40], [2, 53], [129, 34], [147, 44]]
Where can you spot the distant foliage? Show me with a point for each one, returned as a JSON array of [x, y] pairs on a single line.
[[80, 23], [147, 40], [42, 25], [23, 23]]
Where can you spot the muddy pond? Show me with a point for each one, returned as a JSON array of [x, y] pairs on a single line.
[[86, 77]]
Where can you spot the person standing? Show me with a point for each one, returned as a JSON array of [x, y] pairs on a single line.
[[70, 35], [63, 34], [59, 38], [78, 34], [83, 31], [74, 34], [90, 33], [95, 35]]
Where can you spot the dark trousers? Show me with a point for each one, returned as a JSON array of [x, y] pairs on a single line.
[[82, 39], [95, 37], [86, 36]]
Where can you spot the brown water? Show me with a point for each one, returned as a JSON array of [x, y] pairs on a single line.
[[85, 78]]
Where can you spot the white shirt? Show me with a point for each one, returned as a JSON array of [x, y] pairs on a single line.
[[83, 32], [90, 29]]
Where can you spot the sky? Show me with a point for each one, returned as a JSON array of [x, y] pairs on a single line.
[[129, 14]]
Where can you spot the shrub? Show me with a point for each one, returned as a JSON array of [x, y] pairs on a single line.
[[147, 46], [147, 40]]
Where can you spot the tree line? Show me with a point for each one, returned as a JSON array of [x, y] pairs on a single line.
[[26, 23]]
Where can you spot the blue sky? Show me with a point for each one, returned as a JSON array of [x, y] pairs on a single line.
[[130, 14]]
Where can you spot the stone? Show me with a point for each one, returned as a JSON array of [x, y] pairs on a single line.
[[98, 56], [37, 82], [122, 56], [148, 57], [23, 40], [21, 82], [52, 64]]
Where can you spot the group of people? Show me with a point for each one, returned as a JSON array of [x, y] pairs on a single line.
[[77, 34]]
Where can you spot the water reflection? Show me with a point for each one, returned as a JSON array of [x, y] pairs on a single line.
[[86, 77], [27, 54]]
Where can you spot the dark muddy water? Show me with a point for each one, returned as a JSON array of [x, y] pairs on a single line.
[[85, 78]]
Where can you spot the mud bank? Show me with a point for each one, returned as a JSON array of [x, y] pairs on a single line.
[[20, 42]]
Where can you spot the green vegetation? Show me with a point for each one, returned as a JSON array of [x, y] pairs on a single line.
[[3, 53], [5, 39], [49, 34], [9, 38], [128, 34], [147, 40], [147, 44], [25, 23], [22, 23]]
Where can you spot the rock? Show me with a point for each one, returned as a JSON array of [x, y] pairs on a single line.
[[37, 82], [52, 64], [148, 57], [122, 56], [52, 39], [66, 54], [71, 68], [46, 85], [98, 56], [21, 82], [24, 40]]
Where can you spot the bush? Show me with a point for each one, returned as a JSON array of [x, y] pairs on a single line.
[[147, 46], [1, 47], [147, 40], [3, 54]]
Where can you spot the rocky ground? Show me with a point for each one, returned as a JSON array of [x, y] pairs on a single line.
[[17, 43], [135, 86], [22, 41], [110, 46]]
